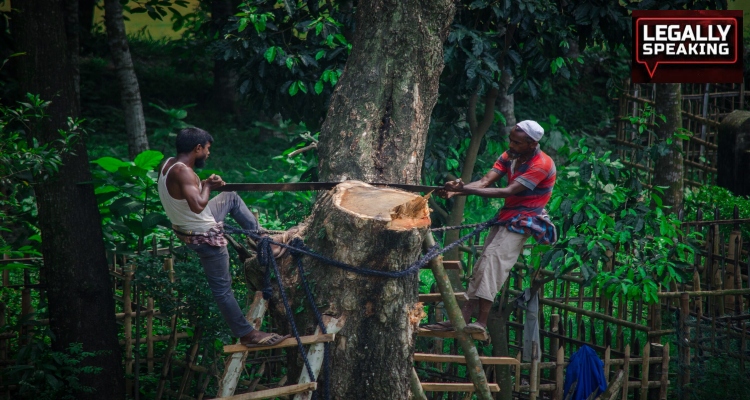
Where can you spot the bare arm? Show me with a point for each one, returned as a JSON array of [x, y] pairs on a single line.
[[188, 188], [512, 189], [457, 188]]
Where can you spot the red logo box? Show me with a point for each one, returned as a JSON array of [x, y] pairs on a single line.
[[687, 46]]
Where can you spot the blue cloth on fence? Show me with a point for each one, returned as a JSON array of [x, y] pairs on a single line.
[[588, 369], [540, 227]]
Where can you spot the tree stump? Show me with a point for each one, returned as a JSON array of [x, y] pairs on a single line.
[[372, 228], [378, 229]]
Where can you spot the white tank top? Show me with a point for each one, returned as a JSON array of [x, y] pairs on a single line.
[[179, 212]]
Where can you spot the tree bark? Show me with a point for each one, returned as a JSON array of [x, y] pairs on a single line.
[[377, 121], [130, 93], [506, 102], [668, 169], [81, 306], [225, 77]]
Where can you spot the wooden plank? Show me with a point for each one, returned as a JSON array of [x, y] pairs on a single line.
[[275, 392], [450, 334], [290, 342], [436, 297], [440, 358], [455, 387]]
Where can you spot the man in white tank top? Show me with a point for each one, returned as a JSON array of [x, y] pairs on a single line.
[[199, 222]]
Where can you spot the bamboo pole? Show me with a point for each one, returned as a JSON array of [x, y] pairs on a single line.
[[554, 327], [167, 358], [664, 373], [591, 314], [645, 371], [190, 361], [416, 386], [534, 374], [6, 273], [149, 335], [316, 353], [684, 349], [473, 364], [607, 362], [517, 384], [559, 373], [626, 370], [128, 327]]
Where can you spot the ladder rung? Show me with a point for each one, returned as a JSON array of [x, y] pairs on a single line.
[[450, 334], [439, 358], [455, 387], [447, 265], [290, 342], [275, 392], [435, 297]]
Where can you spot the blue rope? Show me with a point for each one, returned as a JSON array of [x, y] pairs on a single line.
[[298, 249]]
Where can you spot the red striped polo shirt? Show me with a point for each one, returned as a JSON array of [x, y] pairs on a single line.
[[537, 175]]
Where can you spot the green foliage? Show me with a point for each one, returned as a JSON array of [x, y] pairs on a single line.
[[41, 373], [129, 204], [172, 122], [289, 54], [24, 162]]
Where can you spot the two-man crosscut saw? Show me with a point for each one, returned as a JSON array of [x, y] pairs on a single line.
[[305, 186]]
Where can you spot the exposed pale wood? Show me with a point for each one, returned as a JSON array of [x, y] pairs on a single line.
[[607, 362], [290, 342], [436, 297], [455, 387], [450, 334], [316, 354], [441, 358], [275, 392], [236, 363]]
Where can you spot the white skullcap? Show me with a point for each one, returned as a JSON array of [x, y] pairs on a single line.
[[534, 130]]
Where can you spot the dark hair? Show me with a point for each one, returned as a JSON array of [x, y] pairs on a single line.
[[188, 138]]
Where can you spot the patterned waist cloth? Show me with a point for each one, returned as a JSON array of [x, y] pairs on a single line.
[[213, 237], [539, 226]]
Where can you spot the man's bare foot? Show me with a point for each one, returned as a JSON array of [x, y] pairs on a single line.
[[257, 338]]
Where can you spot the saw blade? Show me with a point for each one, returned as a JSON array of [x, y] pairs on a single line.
[[312, 186]]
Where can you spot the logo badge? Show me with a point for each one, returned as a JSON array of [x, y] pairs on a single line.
[[687, 46]]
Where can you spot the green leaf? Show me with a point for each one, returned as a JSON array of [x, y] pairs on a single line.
[[270, 54], [125, 206], [153, 219], [320, 54], [302, 86], [148, 159], [293, 89], [318, 87], [111, 164], [290, 62], [243, 24]]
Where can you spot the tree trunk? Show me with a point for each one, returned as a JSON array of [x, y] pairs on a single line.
[[668, 169], [225, 77], [81, 306], [130, 93], [506, 102], [478, 130], [377, 122], [356, 224]]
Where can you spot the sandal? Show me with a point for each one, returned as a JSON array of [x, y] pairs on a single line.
[[270, 340], [444, 326], [475, 327]]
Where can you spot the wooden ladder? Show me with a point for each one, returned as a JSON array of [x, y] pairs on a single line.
[[447, 295], [236, 363]]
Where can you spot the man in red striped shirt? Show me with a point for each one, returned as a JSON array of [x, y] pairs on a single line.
[[531, 177]]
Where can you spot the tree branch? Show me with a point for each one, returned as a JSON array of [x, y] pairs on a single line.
[[471, 113]]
